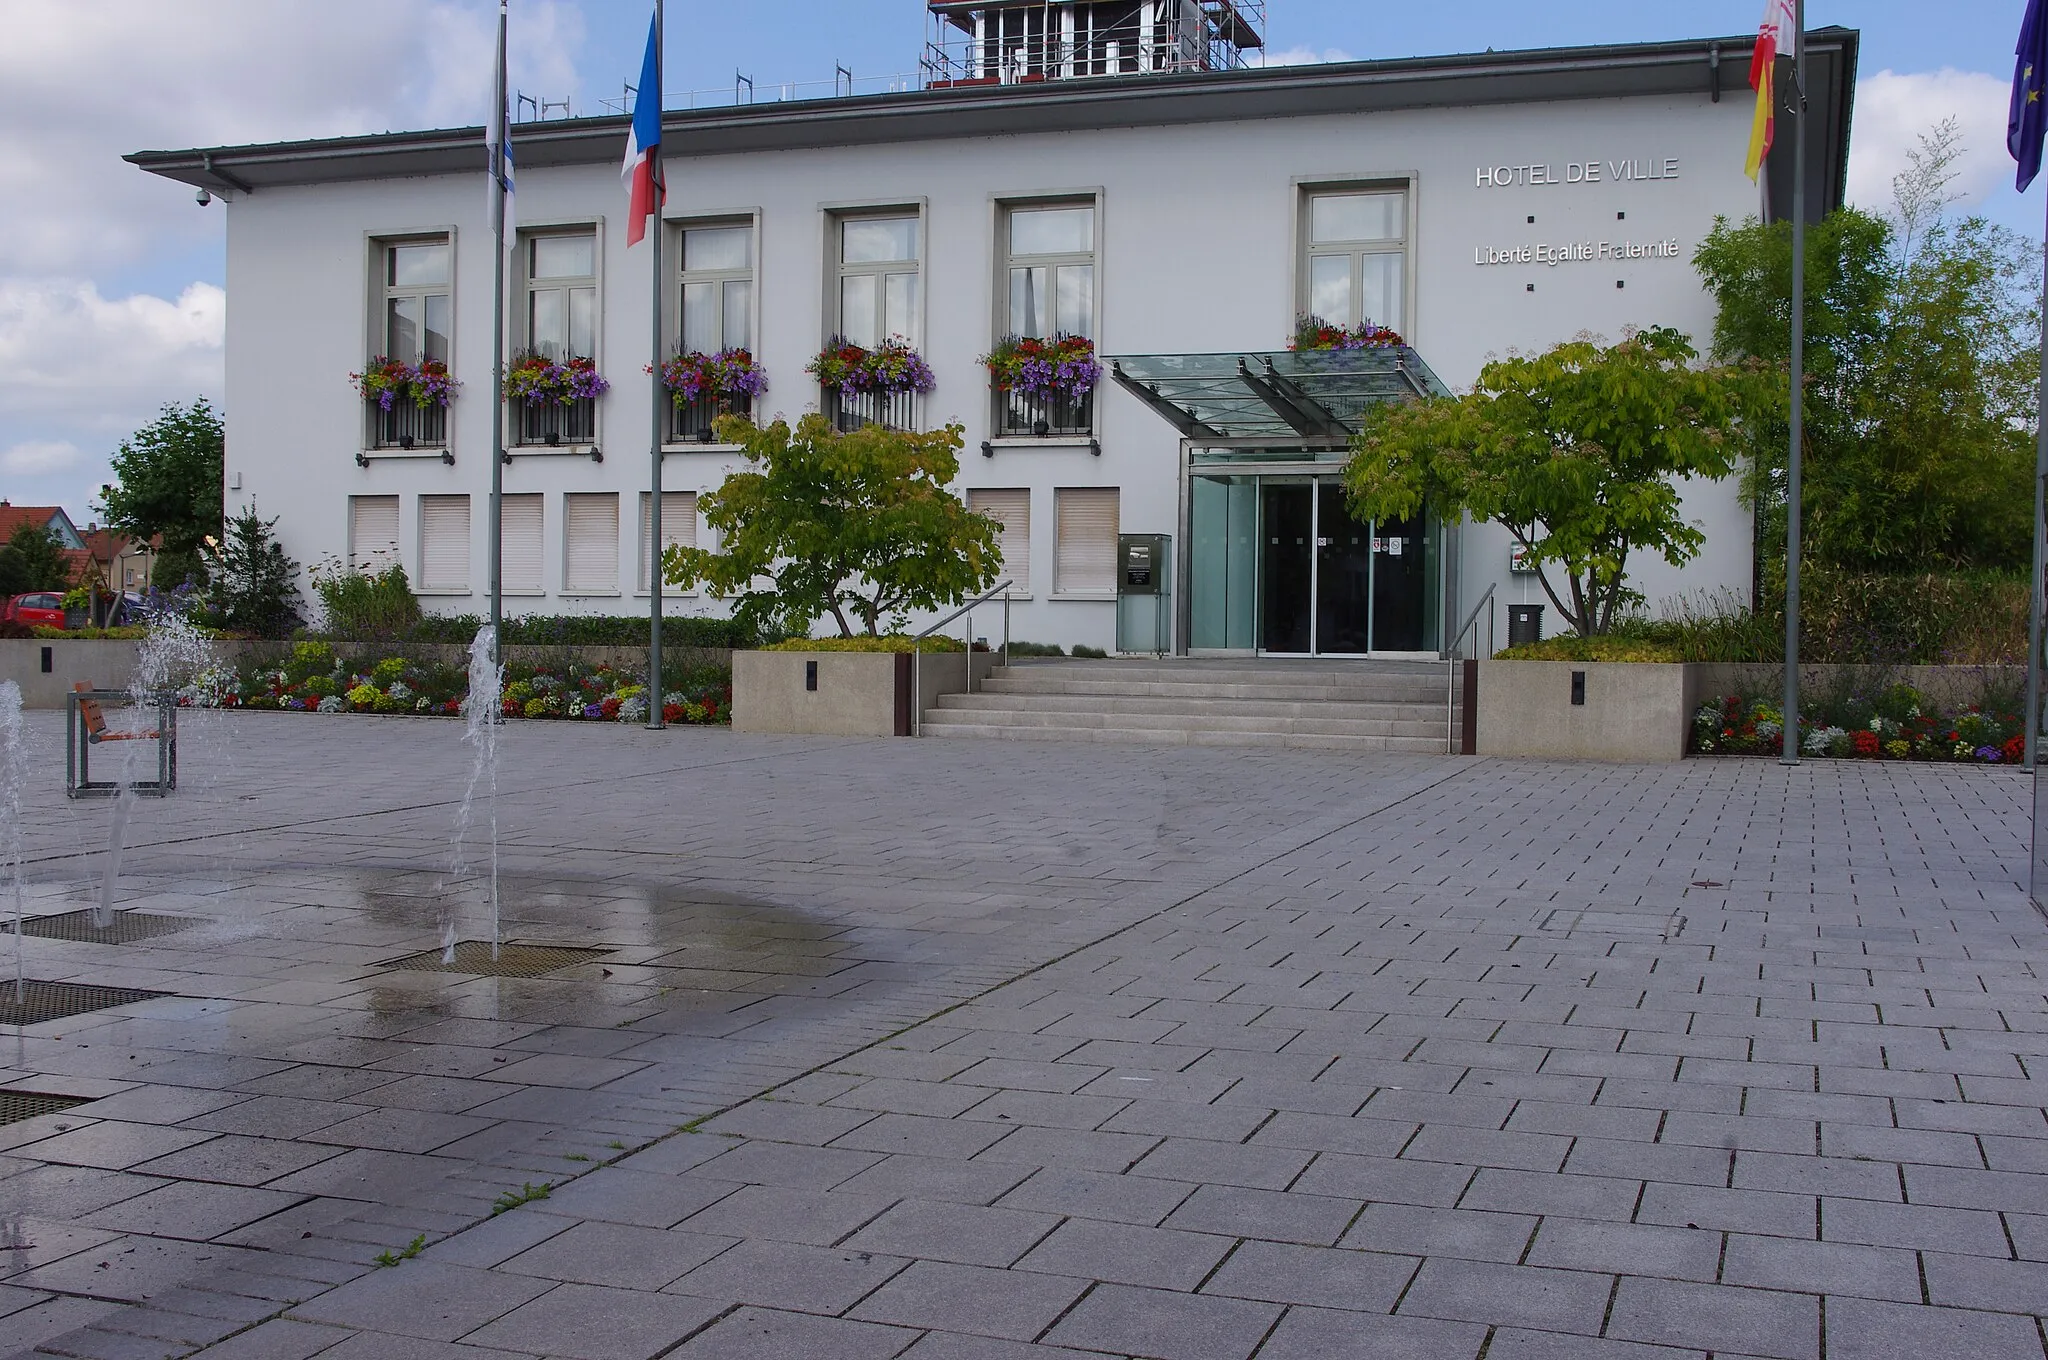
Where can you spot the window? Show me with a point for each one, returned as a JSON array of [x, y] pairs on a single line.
[[590, 543], [1050, 290], [372, 532], [717, 298], [520, 524], [678, 526], [415, 317], [1052, 271], [418, 311], [877, 262], [1084, 556], [1357, 258], [444, 544], [1012, 509], [561, 295]]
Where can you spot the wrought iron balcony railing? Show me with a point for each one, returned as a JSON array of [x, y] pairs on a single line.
[[408, 426], [890, 410], [692, 423], [551, 425], [1020, 413]]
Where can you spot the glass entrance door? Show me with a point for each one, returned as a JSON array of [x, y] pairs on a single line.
[[1344, 574], [1278, 564], [1287, 513]]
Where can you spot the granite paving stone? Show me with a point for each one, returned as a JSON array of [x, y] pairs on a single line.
[[1151, 1052]]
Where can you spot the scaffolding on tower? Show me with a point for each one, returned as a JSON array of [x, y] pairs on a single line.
[[1018, 42]]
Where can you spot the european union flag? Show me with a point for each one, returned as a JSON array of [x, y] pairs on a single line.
[[2028, 119]]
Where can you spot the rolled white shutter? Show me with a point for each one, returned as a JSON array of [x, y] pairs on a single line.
[[520, 518], [1012, 507], [590, 562], [444, 543], [1084, 562], [678, 525], [372, 532]]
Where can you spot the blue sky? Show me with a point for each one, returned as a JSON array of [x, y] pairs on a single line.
[[111, 298]]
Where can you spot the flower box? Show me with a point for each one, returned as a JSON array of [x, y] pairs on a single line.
[[702, 387]]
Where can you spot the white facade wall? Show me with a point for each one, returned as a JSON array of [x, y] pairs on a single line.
[[1197, 251]]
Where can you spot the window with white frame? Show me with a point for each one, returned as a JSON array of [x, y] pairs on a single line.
[[678, 527], [561, 294], [878, 265], [590, 543], [521, 520], [444, 545], [716, 301], [1051, 271], [418, 312], [1011, 508], [372, 532], [1357, 257], [1084, 548]]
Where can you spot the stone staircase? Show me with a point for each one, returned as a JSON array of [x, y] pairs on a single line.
[[1327, 705]]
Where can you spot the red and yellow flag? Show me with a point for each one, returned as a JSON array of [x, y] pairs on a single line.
[[1778, 36]]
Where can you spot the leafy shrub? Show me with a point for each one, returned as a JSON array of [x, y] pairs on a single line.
[[14, 628], [1600, 648], [593, 630], [888, 642], [1036, 649], [1092, 653], [363, 605]]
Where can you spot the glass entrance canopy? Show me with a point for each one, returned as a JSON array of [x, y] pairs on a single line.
[[1283, 398]]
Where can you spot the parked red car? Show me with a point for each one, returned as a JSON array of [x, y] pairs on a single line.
[[45, 608]]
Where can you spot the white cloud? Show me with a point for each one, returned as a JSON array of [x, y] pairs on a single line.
[[1302, 55], [1893, 111], [39, 456], [67, 351], [83, 84]]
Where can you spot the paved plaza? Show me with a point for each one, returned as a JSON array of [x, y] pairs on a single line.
[[992, 1051]]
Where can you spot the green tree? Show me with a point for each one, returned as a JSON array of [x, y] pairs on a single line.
[[1577, 451], [1921, 364], [252, 587], [857, 526], [168, 481], [33, 559]]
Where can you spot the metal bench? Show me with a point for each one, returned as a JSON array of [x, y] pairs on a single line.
[[85, 727]]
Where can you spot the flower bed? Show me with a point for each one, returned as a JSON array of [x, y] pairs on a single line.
[[316, 679], [538, 380], [1061, 367], [892, 366], [726, 374], [1898, 724], [1312, 332], [384, 381]]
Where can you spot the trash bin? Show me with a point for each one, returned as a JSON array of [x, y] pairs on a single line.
[[1525, 624]]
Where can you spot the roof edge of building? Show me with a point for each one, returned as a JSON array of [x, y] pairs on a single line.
[[1717, 66]]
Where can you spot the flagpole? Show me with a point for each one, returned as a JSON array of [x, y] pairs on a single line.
[[655, 720], [2038, 586], [1789, 741], [497, 544]]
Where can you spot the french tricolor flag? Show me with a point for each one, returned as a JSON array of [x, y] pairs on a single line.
[[645, 192]]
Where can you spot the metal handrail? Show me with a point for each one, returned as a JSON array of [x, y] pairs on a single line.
[[1451, 665], [917, 649]]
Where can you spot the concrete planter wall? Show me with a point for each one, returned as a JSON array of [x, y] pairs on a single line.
[[1632, 711], [1642, 711], [857, 694], [111, 665]]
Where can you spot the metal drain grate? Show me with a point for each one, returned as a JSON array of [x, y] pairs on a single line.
[[514, 960], [42, 1001], [16, 1106], [79, 925]]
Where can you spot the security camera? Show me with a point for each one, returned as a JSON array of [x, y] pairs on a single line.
[[202, 198]]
